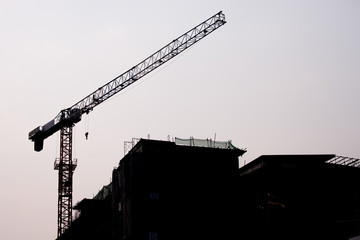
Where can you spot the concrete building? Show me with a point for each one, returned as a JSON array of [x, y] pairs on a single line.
[[300, 197], [193, 189], [164, 190]]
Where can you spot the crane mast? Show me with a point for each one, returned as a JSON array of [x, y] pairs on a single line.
[[66, 119]]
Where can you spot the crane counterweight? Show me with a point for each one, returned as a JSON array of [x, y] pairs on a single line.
[[69, 118]]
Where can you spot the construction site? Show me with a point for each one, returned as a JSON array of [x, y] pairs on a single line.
[[195, 188]]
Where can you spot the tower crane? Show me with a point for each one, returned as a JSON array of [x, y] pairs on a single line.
[[66, 119]]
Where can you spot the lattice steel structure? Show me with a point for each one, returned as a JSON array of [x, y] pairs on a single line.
[[66, 166], [128, 145], [67, 118], [345, 161], [87, 104]]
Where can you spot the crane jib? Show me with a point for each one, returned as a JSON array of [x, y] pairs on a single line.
[[70, 116]]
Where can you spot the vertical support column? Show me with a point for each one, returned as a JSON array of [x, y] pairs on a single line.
[[65, 167]]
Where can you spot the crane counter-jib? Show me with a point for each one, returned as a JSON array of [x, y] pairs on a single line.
[[68, 117]]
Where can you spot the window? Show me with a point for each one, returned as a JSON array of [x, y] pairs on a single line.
[[153, 236]]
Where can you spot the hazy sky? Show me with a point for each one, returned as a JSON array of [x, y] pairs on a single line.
[[281, 77]]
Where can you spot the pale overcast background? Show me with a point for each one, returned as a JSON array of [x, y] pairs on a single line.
[[281, 77]]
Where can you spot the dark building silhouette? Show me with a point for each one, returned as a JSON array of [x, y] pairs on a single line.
[[191, 189], [168, 191], [300, 197], [94, 220]]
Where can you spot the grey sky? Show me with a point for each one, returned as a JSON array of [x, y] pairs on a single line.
[[281, 77]]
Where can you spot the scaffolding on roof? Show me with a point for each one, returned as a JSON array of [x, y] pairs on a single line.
[[345, 161], [204, 143], [104, 193]]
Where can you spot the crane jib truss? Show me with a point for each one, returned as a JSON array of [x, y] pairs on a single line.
[[72, 115], [67, 118]]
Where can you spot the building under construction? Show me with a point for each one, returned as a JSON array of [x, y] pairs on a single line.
[[300, 197], [194, 189]]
